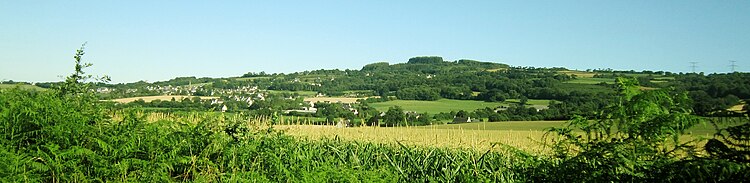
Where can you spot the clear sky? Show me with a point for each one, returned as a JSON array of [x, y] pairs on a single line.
[[157, 40]]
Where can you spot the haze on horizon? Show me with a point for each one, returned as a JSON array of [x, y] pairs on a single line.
[[153, 41]]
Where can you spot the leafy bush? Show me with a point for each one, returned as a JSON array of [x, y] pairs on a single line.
[[626, 142]]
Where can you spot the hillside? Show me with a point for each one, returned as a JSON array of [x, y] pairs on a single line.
[[430, 78]]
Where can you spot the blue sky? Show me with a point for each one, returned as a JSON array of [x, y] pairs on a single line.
[[159, 40]]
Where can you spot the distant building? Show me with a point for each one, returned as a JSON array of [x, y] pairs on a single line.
[[464, 120]]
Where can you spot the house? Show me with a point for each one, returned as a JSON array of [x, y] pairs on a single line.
[[464, 120], [223, 108], [343, 123]]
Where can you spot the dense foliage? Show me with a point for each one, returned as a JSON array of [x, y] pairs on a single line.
[[637, 139]]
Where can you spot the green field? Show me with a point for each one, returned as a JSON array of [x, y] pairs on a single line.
[[530, 102], [22, 86], [592, 80], [442, 105]]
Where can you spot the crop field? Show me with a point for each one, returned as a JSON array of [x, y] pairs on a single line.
[[22, 86], [160, 97], [481, 140], [509, 125], [578, 74], [704, 130], [446, 105], [524, 135]]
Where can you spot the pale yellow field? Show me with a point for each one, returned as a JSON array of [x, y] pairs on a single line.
[[579, 74], [161, 97], [476, 138], [737, 108], [528, 140], [332, 99]]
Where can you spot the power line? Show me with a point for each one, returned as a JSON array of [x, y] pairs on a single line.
[[692, 66], [733, 65]]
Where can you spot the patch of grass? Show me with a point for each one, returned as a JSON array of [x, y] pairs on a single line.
[[433, 107], [586, 87], [578, 74]]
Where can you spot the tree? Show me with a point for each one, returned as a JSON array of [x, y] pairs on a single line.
[[418, 93], [524, 100], [425, 60], [462, 114], [493, 95], [74, 84], [394, 116]]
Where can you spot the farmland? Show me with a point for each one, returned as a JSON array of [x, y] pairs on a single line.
[[592, 80], [578, 74], [525, 135], [479, 140]]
